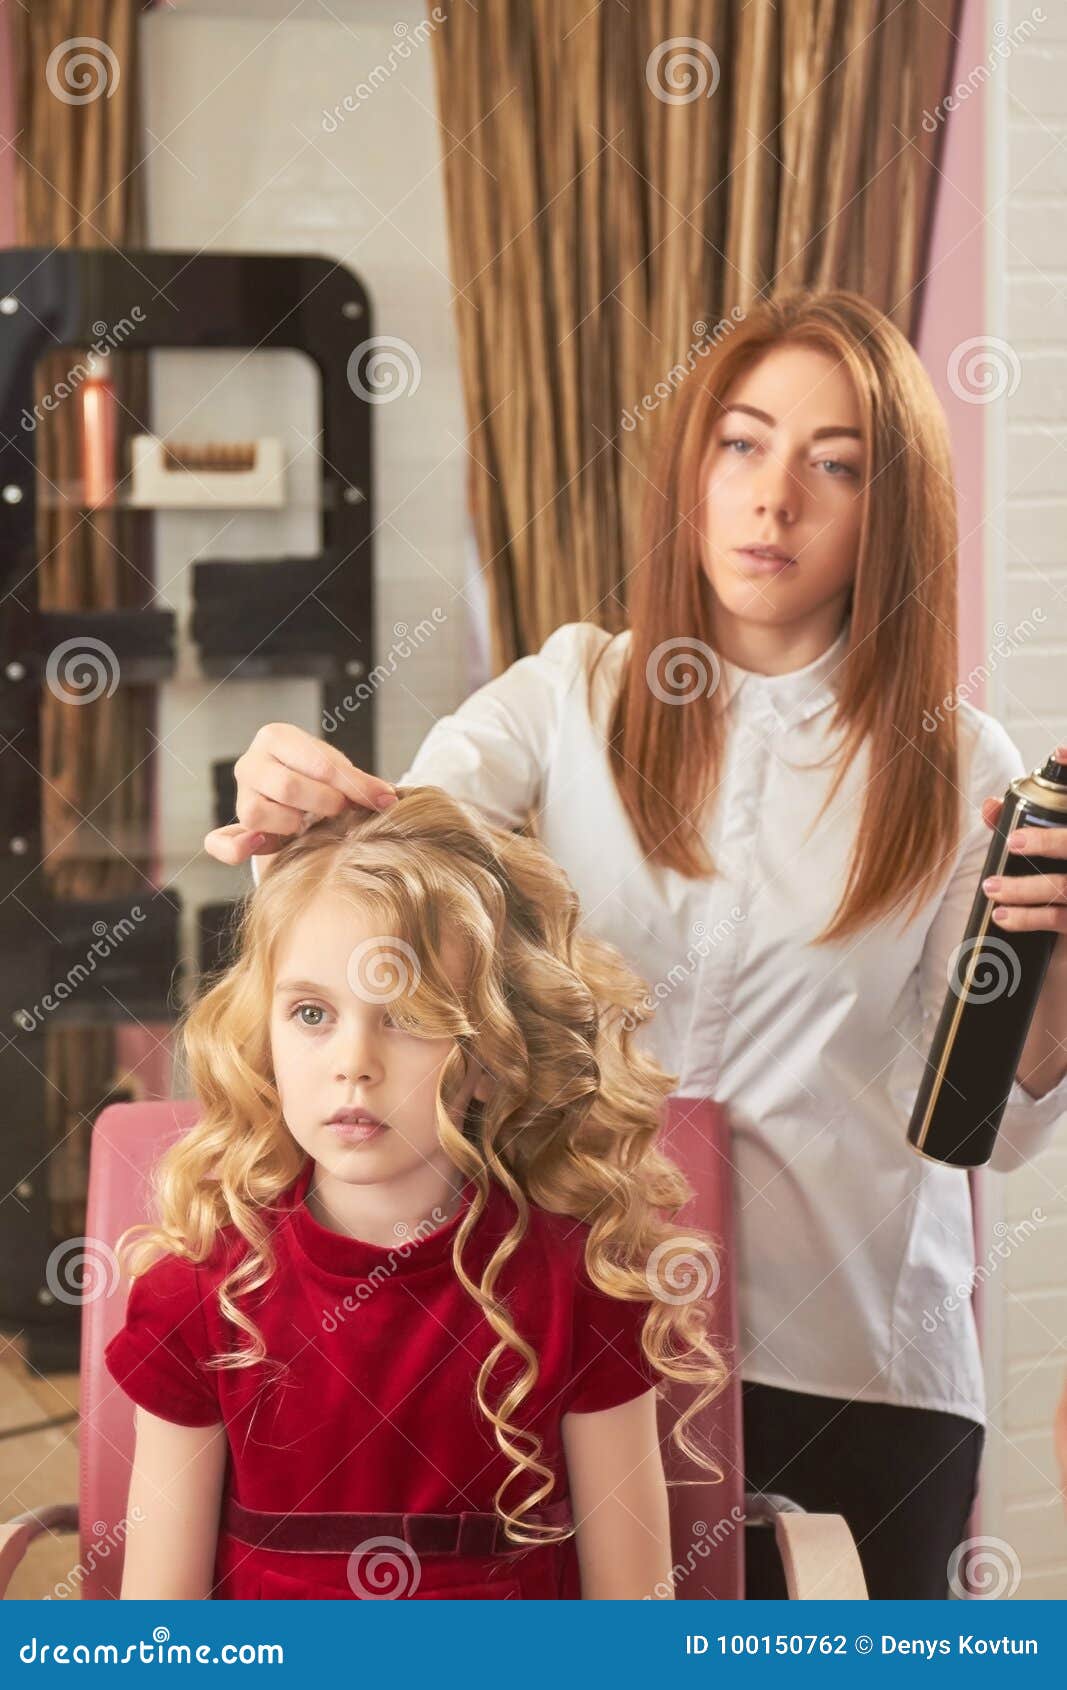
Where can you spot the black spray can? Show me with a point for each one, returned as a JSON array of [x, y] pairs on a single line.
[[994, 982]]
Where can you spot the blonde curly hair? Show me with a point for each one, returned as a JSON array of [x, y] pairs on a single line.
[[570, 1126]]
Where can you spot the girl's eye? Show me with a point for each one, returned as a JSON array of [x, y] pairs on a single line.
[[407, 1030], [736, 442], [315, 1008], [837, 464]]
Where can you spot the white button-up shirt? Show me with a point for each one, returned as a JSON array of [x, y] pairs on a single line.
[[851, 1248]]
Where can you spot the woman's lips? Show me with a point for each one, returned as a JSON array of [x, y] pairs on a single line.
[[752, 563]]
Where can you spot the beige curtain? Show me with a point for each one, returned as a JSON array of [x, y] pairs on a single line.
[[618, 180], [78, 185]]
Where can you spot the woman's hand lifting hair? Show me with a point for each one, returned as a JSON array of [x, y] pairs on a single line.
[[286, 778]]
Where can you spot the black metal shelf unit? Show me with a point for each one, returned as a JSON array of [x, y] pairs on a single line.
[[50, 299]]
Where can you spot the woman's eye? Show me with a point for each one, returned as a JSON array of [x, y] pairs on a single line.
[[834, 465]]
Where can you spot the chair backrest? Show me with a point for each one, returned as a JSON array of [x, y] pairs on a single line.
[[707, 1518], [128, 1138]]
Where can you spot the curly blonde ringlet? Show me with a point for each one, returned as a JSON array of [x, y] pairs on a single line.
[[570, 1125]]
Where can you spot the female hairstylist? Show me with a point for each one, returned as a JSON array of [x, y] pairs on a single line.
[[768, 796]]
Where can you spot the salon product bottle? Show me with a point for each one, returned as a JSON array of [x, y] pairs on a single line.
[[99, 433], [994, 981]]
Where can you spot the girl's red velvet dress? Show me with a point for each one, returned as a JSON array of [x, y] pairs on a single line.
[[372, 1408]]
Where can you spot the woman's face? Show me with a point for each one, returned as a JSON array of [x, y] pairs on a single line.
[[335, 1046], [786, 467]]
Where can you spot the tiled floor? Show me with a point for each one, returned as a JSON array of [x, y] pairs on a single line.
[[37, 1467]]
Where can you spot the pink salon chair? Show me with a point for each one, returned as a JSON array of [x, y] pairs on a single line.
[[818, 1553], [819, 1556], [128, 1138]]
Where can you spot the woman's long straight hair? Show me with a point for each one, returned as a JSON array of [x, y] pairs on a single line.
[[901, 657]]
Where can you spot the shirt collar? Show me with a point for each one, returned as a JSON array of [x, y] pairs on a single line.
[[790, 698], [336, 1253]]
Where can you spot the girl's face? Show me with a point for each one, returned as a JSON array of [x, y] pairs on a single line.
[[786, 467], [334, 1046]]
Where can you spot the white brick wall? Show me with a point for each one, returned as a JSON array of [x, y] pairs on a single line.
[[1027, 562]]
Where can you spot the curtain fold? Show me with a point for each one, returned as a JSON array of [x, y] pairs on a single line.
[[78, 148], [617, 182]]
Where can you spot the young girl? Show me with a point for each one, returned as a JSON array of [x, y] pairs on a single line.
[[418, 1284]]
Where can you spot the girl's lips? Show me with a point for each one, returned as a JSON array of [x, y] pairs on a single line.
[[356, 1132], [753, 564]]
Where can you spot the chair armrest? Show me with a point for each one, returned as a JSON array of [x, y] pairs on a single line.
[[16, 1535], [819, 1555]]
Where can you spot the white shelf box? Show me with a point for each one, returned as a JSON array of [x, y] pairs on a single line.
[[153, 483]]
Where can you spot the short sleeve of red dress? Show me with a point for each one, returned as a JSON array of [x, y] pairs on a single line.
[[158, 1355], [609, 1365]]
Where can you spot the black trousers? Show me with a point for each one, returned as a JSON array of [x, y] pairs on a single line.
[[904, 1478]]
